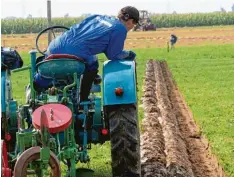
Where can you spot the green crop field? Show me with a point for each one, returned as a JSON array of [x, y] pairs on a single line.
[[34, 25], [205, 77]]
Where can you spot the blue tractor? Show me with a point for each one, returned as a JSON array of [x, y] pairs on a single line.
[[10, 59], [54, 126]]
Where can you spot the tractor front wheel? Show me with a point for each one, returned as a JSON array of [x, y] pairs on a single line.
[[125, 140]]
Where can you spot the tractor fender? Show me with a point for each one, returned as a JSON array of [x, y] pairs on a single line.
[[119, 74]]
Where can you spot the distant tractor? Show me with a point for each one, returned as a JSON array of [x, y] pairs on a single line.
[[145, 22]]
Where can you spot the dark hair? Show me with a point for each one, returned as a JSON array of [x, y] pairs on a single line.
[[129, 12]]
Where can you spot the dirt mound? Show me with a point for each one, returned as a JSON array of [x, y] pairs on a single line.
[[171, 143]]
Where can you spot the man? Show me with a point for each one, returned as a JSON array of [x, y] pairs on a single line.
[[173, 40], [94, 35]]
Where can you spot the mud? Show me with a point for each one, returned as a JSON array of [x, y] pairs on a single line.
[[171, 142]]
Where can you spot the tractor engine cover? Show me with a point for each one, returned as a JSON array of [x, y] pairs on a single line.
[[59, 117]]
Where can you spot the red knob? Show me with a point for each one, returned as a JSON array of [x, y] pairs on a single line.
[[119, 91], [7, 137], [104, 131]]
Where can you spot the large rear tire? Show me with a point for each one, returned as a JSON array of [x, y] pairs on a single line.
[[125, 140]]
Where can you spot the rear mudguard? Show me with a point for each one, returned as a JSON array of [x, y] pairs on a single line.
[[119, 74]]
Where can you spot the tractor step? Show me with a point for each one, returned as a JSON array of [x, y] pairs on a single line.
[[84, 172]]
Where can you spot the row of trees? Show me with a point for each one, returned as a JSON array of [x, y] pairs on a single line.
[[192, 20], [34, 25]]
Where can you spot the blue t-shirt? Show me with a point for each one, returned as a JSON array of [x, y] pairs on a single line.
[[94, 35]]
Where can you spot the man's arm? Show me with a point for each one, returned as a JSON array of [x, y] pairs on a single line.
[[115, 50]]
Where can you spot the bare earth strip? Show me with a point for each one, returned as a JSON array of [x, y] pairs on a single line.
[[171, 143], [190, 36]]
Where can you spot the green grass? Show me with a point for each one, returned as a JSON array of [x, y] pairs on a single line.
[[205, 76]]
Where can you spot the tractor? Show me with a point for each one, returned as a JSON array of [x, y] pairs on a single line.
[[54, 127], [9, 122], [145, 23]]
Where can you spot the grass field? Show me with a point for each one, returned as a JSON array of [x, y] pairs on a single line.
[[204, 75]]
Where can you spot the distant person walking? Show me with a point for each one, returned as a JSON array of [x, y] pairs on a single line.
[[173, 40]]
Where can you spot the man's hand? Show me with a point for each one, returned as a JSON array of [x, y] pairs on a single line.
[[131, 55]]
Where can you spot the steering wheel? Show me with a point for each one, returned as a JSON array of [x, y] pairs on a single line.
[[51, 28]]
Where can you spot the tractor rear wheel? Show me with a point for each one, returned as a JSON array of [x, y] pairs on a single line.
[[125, 140]]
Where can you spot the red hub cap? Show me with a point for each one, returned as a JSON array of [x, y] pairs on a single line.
[[59, 117]]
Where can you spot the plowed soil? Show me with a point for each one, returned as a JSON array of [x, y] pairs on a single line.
[[171, 143]]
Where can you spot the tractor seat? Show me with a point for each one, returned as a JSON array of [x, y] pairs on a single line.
[[59, 66], [63, 56]]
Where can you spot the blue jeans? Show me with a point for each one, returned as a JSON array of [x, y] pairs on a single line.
[[92, 63]]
